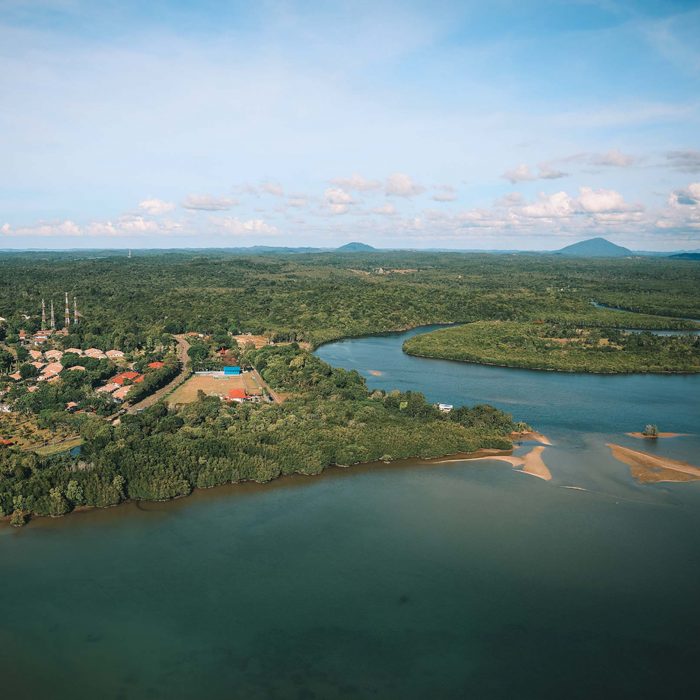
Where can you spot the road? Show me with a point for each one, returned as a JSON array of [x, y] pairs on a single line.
[[183, 356]]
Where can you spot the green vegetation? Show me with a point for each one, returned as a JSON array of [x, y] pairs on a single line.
[[161, 454], [137, 305], [559, 347]]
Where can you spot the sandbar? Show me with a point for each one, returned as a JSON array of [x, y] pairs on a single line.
[[531, 435], [530, 463], [648, 468], [658, 435]]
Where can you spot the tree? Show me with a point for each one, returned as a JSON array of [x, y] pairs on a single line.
[[651, 431]]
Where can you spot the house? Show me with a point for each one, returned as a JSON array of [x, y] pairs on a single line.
[[237, 395], [53, 368], [114, 354], [38, 365], [445, 407], [71, 406], [32, 389], [156, 365], [232, 370], [23, 336], [107, 388], [6, 443], [95, 353], [15, 375], [120, 394], [53, 355], [74, 351], [122, 377], [76, 368], [36, 354]]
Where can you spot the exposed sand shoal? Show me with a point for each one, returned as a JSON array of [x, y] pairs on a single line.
[[531, 435], [530, 463], [375, 372], [648, 468], [658, 435]]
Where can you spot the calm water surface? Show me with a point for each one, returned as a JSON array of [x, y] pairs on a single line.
[[401, 581]]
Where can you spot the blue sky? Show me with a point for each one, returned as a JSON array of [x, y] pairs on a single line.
[[492, 125]]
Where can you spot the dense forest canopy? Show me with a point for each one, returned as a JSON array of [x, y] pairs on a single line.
[[320, 297]]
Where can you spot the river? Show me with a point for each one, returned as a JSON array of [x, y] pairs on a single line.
[[465, 579]]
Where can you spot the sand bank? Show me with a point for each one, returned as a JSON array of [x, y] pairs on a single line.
[[531, 435], [530, 463], [648, 468], [658, 435]]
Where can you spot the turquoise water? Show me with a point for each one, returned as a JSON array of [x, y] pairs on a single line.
[[393, 581]]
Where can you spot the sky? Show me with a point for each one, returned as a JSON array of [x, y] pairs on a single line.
[[505, 124]]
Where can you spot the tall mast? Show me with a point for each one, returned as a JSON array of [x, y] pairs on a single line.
[[67, 315], [75, 311], [43, 315], [53, 318]]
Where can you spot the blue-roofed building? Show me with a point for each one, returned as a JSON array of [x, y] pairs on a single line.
[[231, 371]]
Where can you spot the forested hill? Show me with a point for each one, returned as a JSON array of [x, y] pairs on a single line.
[[320, 297]]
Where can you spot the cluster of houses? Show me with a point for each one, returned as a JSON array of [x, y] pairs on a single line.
[[119, 386], [49, 362]]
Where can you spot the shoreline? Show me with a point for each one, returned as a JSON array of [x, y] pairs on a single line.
[[648, 468], [530, 463], [642, 436], [282, 480], [552, 369]]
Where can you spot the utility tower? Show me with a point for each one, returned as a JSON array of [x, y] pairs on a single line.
[[75, 311], [43, 315], [67, 314], [53, 318]]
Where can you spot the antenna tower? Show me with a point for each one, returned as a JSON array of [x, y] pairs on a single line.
[[43, 315], [75, 311], [53, 318], [67, 314]]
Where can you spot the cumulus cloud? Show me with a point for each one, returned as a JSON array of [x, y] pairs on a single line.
[[683, 210], [687, 161], [613, 159], [602, 201], [401, 185], [522, 173], [156, 207], [206, 202], [298, 201], [357, 183], [5, 228], [337, 200], [550, 206], [273, 188], [239, 227], [445, 193]]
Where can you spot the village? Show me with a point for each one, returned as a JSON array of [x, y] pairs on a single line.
[[40, 376]]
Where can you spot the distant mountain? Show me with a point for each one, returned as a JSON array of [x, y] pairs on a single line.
[[685, 256], [355, 248], [595, 248]]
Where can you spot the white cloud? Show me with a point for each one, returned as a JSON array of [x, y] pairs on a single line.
[[445, 193], [683, 210], [206, 202], [614, 158], [522, 173], [401, 185], [238, 227], [337, 200], [273, 188], [357, 183], [600, 201], [5, 228], [550, 206], [156, 207]]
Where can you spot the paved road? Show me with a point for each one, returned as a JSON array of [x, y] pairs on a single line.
[[183, 356]]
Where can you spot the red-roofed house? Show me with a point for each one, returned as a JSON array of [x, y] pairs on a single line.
[[156, 365], [120, 394], [124, 376], [236, 395]]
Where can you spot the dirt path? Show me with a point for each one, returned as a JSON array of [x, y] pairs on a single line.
[[183, 356], [262, 384]]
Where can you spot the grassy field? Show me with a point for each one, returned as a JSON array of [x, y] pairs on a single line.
[[213, 386]]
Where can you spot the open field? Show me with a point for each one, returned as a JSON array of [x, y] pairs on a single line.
[[214, 385]]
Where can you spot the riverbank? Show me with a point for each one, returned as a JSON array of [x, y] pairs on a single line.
[[647, 468], [559, 347]]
